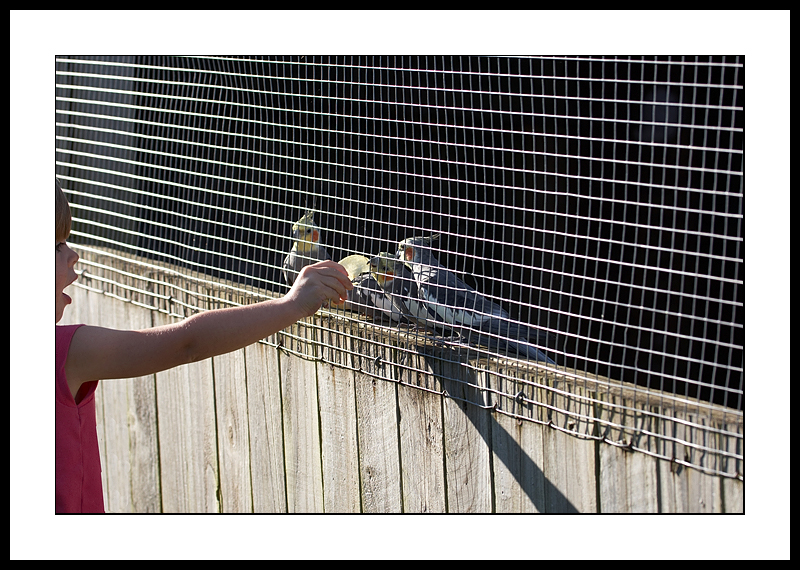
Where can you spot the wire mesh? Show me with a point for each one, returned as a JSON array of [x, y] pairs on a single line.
[[596, 200]]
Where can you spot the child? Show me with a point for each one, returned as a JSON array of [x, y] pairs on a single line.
[[86, 354]]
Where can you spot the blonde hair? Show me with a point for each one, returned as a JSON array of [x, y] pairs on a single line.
[[63, 216]]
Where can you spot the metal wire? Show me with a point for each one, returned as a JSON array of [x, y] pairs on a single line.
[[597, 199]]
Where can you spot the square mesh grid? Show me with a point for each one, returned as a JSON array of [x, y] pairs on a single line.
[[597, 199]]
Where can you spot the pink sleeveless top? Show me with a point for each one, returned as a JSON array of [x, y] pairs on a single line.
[[79, 488]]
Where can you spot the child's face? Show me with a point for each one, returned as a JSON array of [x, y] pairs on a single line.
[[65, 274]]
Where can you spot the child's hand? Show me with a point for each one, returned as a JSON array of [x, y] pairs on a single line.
[[323, 282]]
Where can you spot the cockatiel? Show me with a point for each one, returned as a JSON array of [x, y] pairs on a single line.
[[466, 311], [398, 283], [306, 249], [367, 297]]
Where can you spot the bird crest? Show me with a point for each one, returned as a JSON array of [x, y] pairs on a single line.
[[306, 221], [406, 247], [305, 231]]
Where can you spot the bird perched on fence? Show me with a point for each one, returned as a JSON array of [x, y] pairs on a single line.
[[367, 297], [306, 249], [455, 303], [398, 284]]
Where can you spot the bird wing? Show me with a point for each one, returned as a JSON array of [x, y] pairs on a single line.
[[481, 322], [403, 290], [289, 262], [296, 260], [369, 299], [454, 301], [513, 337]]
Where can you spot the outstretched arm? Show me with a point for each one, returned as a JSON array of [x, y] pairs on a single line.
[[98, 353]]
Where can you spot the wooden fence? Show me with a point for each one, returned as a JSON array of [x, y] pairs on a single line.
[[367, 427]]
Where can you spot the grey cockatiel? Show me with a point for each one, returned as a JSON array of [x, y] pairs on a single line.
[[459, 307], [367, 297], [306, 249], [400, 288]]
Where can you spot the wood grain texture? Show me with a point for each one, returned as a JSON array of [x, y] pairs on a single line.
[[467, 439], [421, 438], [517, 445], [265, 421], [130, 417], [377, 416], [628, 481], [517, 456], [338, 426], [233, 439], [187, 434], [302, 446]]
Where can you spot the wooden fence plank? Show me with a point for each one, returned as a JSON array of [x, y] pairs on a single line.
[[628, 481], [340, 475], [517, 457], [337, 414], [140, 422], [266, 429], [733, 493], [732, 489], [682, 489], [421, 438], [467, 439], [115, 423], [130, 419], [569, 472], [301, 423], [569, 466], [187, 436], [378, 437], [230, 386], [143, 432], [686, 490]]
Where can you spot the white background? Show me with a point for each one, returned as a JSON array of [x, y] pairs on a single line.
[[37, 36]]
